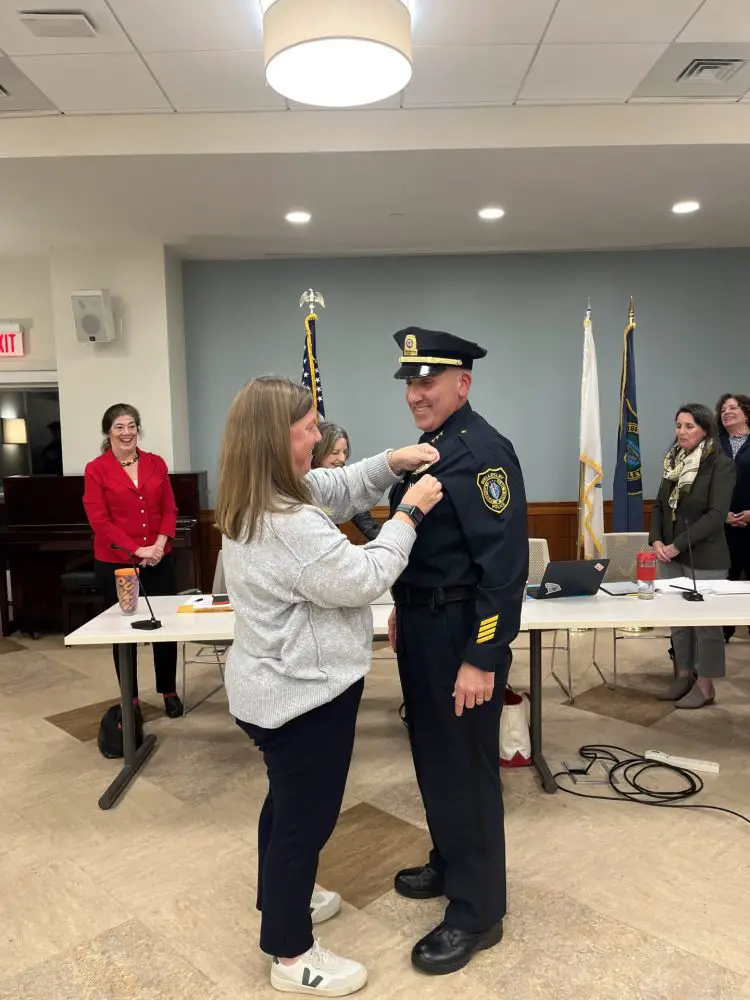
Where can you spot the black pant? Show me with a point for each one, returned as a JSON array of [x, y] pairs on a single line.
[[159, 581], [738, 540], [456, 762], [307, 761]]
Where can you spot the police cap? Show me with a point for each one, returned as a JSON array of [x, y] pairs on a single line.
[[429, 352]]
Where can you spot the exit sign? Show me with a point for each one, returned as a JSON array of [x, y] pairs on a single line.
[[11, 340]]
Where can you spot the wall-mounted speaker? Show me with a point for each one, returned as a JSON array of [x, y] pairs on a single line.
[[93, 317]]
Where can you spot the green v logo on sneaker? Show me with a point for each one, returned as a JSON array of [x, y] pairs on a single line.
[[306, 978]]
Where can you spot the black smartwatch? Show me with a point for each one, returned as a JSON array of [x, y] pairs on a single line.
[[412, 511]]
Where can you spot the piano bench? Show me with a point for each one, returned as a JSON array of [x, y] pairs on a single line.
[[79, 590]]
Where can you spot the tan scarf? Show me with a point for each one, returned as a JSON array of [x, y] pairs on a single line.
[[681, 468]]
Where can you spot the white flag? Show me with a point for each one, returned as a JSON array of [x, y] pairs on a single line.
[[591, 526]]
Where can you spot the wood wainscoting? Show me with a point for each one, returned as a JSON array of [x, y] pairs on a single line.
[[557, 521]]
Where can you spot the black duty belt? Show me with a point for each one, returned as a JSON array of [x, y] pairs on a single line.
[[435, 597]]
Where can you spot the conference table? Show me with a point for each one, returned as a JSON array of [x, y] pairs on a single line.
[[111, 627], [608, 612], [537, 617]]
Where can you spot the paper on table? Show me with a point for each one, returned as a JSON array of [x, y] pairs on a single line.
[[203, 602], [724, 587]]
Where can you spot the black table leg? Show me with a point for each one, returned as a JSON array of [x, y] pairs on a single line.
[[535, 646], [133, 759]]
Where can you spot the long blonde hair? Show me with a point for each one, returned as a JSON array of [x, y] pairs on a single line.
[[256, 474]]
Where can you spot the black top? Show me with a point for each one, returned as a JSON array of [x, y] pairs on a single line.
[[367, 524], [741, 495], [477, 535], [703, 509]]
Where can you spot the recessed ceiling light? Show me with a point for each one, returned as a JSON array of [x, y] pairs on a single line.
[[685, 207], [298, 218], [491, 212]]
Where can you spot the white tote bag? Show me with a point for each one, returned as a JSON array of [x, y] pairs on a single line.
[[515, 741]]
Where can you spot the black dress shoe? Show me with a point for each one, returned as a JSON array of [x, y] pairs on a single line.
[[419, 883], [173, 707], [448, 949]]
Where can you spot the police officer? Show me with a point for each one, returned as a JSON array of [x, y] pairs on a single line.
[[457, 610]]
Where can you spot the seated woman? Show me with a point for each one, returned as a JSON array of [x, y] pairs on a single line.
[[302, 645], [331, 452], [689, 514]]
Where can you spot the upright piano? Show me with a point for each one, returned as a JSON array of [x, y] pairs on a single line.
[[44, 533]]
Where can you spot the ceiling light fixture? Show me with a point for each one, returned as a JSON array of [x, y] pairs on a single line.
[[342, 54], [298, 218], [685, 207], [491, 213]]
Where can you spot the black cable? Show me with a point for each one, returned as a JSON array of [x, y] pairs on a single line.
[[629, 768]]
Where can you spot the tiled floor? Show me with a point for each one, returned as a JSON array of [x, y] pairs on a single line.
[[154, 900]]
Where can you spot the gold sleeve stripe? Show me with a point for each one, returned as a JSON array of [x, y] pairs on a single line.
[[485, 638], [488, 621], [487, 633]]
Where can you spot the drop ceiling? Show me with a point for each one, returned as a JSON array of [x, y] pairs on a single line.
[[166, 56]]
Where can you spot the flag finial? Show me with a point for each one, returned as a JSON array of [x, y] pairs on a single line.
[[310, 298], [631, 312]]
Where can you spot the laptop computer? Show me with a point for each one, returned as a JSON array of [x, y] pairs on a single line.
[[570, 578]]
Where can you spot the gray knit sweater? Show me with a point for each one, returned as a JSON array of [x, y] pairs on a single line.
[[301, 594]]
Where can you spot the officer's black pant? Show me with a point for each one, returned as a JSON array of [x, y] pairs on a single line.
[[456, 761], [159, 581], [307, 762]]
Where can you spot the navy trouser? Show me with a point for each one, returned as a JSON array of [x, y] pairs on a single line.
[[456, 762], [307, 761]]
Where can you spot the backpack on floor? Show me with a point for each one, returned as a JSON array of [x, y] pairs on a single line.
[[110, 732]]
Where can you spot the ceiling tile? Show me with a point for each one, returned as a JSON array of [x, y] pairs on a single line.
[[214, 81], [467, 74], [719, 21], [167, 26], [475, 22], [95, 83], [589, 72], [23, 96], [668, 78], [17, 40], [637, 21]]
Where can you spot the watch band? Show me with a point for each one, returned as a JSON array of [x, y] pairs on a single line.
[[412, 511]]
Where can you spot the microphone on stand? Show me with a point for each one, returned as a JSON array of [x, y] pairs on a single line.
[[694, 594], [148, 624]]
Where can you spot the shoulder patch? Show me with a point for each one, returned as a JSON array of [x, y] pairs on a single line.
[[493, 485]]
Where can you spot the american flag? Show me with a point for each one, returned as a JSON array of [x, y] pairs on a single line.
[[310, 369]]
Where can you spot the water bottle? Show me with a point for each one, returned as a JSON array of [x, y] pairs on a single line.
[[646, 574]]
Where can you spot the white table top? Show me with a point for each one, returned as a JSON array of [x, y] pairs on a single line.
[[605, 611], [111, 626]]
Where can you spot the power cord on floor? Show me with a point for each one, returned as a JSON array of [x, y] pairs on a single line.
[[625, 778]]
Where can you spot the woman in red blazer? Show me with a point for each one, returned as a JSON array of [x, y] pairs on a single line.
[[130, 506]]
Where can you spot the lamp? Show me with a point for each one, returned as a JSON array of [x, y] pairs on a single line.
[[341, 54], [14, 430]]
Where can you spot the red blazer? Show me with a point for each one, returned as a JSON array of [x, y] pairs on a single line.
[[122, 513]]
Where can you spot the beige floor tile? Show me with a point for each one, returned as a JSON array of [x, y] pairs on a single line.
[[126, 963], [555, 947], [45, 909], [163, 860], [30, 672]]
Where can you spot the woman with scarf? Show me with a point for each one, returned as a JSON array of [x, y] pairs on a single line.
[[692, 506]]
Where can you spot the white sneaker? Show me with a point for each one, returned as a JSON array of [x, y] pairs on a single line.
[[319, 972], [324, 905]]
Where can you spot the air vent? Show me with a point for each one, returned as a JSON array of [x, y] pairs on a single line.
[[45, 24], [717, 71]]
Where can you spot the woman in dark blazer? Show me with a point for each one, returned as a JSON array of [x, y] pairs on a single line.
[[131, 508], [733, 420], [331, 452], [694, 496]]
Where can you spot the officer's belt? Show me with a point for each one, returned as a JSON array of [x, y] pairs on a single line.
[[436, 597]]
